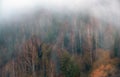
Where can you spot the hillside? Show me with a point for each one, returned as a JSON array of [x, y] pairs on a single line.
[[51, 44]]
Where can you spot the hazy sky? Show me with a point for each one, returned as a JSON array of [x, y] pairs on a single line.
[[9, 8], [106, 8]]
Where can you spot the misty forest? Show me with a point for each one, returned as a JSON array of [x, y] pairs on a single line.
[[47, 43]]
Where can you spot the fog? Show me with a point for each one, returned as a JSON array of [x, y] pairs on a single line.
[[38, 37], [103, 9]]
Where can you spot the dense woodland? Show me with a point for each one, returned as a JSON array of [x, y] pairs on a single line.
[[47, 44]]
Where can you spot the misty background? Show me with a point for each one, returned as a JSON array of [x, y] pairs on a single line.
[[79, 28], [103, 9]]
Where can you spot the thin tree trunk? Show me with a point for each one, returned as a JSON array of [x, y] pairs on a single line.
[[13, 69], [45, 69]]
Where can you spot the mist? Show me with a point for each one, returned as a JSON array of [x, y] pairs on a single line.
[[103, 9], [59, 38]]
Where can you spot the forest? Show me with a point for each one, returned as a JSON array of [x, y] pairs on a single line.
[[47, 44]]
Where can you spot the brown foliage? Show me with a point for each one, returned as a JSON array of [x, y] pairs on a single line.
[[104, 71], [104, 65]]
